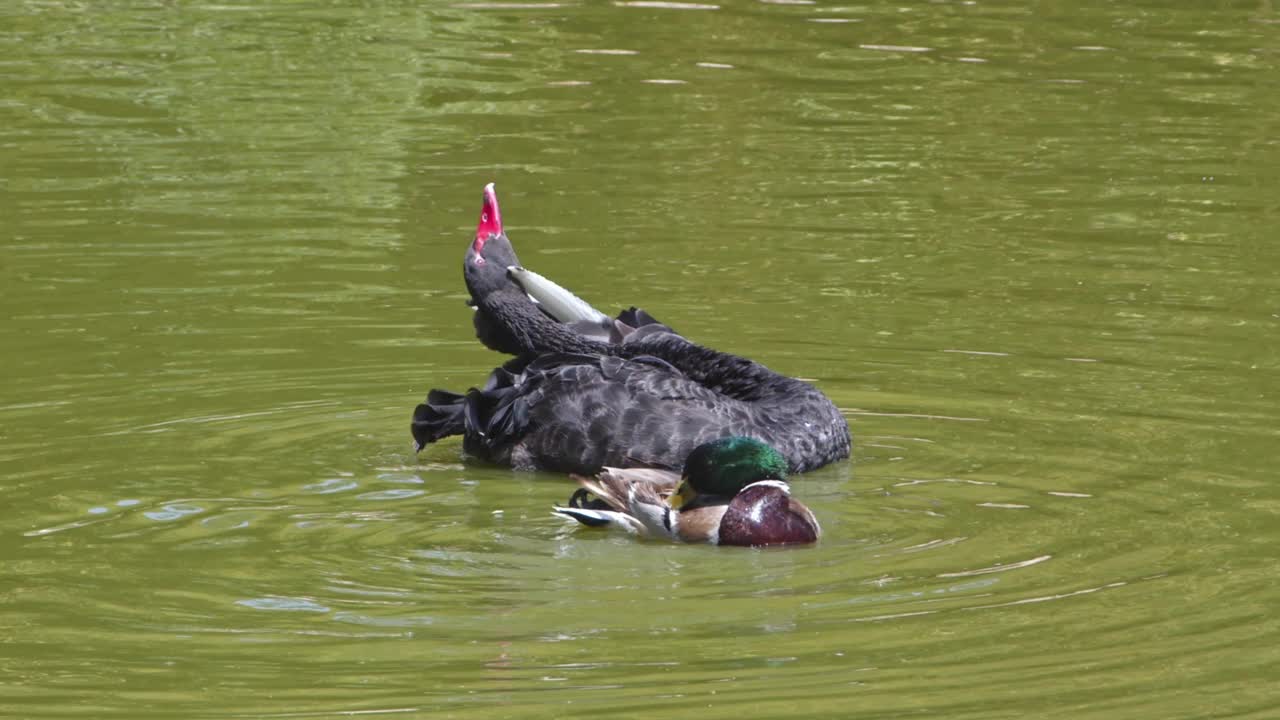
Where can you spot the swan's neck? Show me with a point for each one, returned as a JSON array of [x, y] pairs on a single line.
[[536, 333]]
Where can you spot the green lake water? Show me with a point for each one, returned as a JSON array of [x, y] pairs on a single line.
[[1029, 248]]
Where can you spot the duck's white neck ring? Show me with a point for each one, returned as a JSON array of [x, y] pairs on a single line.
[[780, 484]]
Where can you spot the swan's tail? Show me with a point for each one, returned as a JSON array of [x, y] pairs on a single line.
[[489, 418], [442, 415]]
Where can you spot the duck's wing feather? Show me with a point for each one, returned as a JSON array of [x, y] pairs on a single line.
[[645, 510], [613, 486], [648, 505], [634, 499], [610, 519], [606, 489]]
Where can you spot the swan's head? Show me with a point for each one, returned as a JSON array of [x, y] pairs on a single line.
[[489, 256], [724, 467]]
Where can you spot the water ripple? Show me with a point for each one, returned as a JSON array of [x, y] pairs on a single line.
[[287, 604], [1028, 256]]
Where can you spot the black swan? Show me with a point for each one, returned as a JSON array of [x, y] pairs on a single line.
[[573, 401]]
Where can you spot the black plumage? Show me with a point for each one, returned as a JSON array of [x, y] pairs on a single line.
[[572, 402]]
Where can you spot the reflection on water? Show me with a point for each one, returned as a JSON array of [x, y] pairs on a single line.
[[1026, 253]]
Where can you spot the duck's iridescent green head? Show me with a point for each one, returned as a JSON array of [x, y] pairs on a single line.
[[725, 466]]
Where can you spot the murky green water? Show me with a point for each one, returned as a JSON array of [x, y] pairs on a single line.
[[1028, 247]]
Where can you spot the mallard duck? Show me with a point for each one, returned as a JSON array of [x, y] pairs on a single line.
[[732, 491], [574, 402]]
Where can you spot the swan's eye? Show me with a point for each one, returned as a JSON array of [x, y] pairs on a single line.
[[479, 260]]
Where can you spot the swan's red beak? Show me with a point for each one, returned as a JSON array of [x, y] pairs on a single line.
[[490, 220]]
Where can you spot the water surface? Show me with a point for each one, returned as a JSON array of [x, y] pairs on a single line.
[[1028, 249]]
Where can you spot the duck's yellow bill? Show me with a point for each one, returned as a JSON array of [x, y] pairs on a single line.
[[681, 496]]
